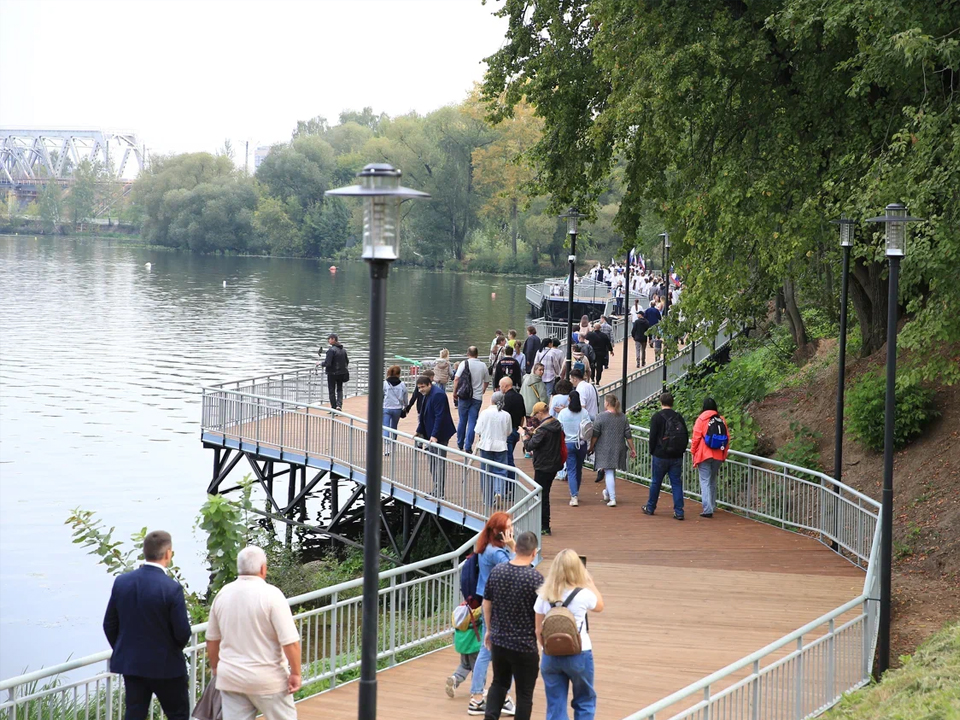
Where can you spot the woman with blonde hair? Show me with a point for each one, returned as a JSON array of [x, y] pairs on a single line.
[[568, 584], [441, 369]]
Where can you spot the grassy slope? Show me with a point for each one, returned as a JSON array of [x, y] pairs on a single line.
[[926, 687]]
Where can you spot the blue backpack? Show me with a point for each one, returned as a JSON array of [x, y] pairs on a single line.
[[469, 577], [716, 437]]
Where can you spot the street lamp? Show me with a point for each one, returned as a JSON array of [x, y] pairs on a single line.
[[572, 216], [847, 232], [626, 330], [666, 306], [381, 192], [896, 220]]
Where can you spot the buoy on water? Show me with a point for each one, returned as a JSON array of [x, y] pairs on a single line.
[[333, 269], [148, 265], [493, 296], [224, 283]]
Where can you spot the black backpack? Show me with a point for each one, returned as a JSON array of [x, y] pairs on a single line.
[[469, 578], [716, 436], [464, 389], [675, 436]]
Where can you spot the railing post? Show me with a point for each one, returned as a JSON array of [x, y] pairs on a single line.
[[109, 698], [256, 427], [283, 417], [393, 620], [194, 650], [831, 664], [334, 601], [798, 686], [755, 711], [306, 434], [749, 499], [706, 699], [869, 621]]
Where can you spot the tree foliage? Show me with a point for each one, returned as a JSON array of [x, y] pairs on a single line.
[[746, 126]]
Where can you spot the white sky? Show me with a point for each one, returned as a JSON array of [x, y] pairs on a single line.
[[185, 75]]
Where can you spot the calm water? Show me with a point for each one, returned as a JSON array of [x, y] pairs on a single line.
[[101, 361]]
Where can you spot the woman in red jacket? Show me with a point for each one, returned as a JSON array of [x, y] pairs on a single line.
[[710, 445]]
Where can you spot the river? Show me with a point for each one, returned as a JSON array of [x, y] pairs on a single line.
[[101, 362]]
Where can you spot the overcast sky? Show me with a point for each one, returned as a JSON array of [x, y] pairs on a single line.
[[185, 75]]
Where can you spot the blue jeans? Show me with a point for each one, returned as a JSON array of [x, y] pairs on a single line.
[[575, 457], [493, 481], [560, 672], [391, 419], [468, 410], [549, 385], [661, 467]]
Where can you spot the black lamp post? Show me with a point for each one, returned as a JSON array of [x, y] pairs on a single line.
[[896, 220], [847, 233], [626, 331], [666, 300], [381, 192], [572, 217]]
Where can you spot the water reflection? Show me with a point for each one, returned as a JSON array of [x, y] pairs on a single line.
[[101, 361]]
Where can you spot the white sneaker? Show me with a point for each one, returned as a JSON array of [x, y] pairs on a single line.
[[574, 502], [606, 495], [452, 682], [508, 707], [612, 503]]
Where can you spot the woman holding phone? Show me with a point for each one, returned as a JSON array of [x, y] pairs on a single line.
[[494, 546]]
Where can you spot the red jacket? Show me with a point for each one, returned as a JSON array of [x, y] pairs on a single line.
[[699, 448]]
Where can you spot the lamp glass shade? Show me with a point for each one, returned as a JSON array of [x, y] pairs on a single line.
[[896, 230], [572, 222], [847, 231], [381, 227]]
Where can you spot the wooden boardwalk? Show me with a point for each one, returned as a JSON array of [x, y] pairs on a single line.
[[683, 599]]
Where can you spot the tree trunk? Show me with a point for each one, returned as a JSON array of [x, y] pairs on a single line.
[[833, 307], [868, 291], [778, 307], [514, 225], [797, 328], [535, 253]]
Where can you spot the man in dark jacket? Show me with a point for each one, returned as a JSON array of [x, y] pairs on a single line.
[[602, 349], [652, 315], [507, 366], [639, 334], [668, 443], [335, 363], [146, 624], [531, 346], [436, 425], [545, 444]]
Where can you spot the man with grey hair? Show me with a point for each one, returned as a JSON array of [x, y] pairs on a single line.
[[494, 427], [251, 639]]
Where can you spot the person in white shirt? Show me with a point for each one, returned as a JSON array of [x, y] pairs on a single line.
[[568, 582], [493, 429], [468, 409], [251, 639], [589, 397], [552, 361]]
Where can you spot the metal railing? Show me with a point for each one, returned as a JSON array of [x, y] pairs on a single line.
[[415, 601], [807, 671]]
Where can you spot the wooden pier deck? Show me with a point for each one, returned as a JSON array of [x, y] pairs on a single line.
[[683, 599]]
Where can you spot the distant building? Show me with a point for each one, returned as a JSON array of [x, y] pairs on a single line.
[[259, 154]]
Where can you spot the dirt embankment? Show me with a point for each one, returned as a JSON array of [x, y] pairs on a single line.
[[926, 590]]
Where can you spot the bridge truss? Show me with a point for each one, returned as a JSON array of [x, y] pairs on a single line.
[[31, 156]]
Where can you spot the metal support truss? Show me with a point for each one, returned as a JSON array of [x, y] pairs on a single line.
[[31, 156]]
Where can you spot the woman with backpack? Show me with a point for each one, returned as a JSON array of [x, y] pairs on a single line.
[[495, 545], [710, 447], [571, 418], [567, 595], [441, 369], [611, 437]]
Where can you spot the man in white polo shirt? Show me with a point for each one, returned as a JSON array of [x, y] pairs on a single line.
[[251, 639]]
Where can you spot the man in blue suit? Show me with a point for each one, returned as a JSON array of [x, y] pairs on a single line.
[[436, 424], [147, 626]]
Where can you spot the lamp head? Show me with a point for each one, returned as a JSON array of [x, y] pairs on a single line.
[[896, 220], [666, 239], [381, 192], [572, 217], [848, 230]]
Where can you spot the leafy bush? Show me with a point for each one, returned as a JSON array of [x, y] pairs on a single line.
[[819, 323], [865, 410], [803, 450]]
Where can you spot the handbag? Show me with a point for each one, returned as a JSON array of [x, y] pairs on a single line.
[[210, 706]]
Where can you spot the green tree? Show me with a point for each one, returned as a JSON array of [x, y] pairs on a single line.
[[82, 198], [50, 206]]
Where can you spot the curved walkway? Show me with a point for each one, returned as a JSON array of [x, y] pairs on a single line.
[[684, 599]]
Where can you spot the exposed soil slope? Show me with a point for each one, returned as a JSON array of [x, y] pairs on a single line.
[[926, 490]]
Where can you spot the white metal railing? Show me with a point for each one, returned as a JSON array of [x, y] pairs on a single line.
[[808, 670], [415, 607], [437, 477]]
